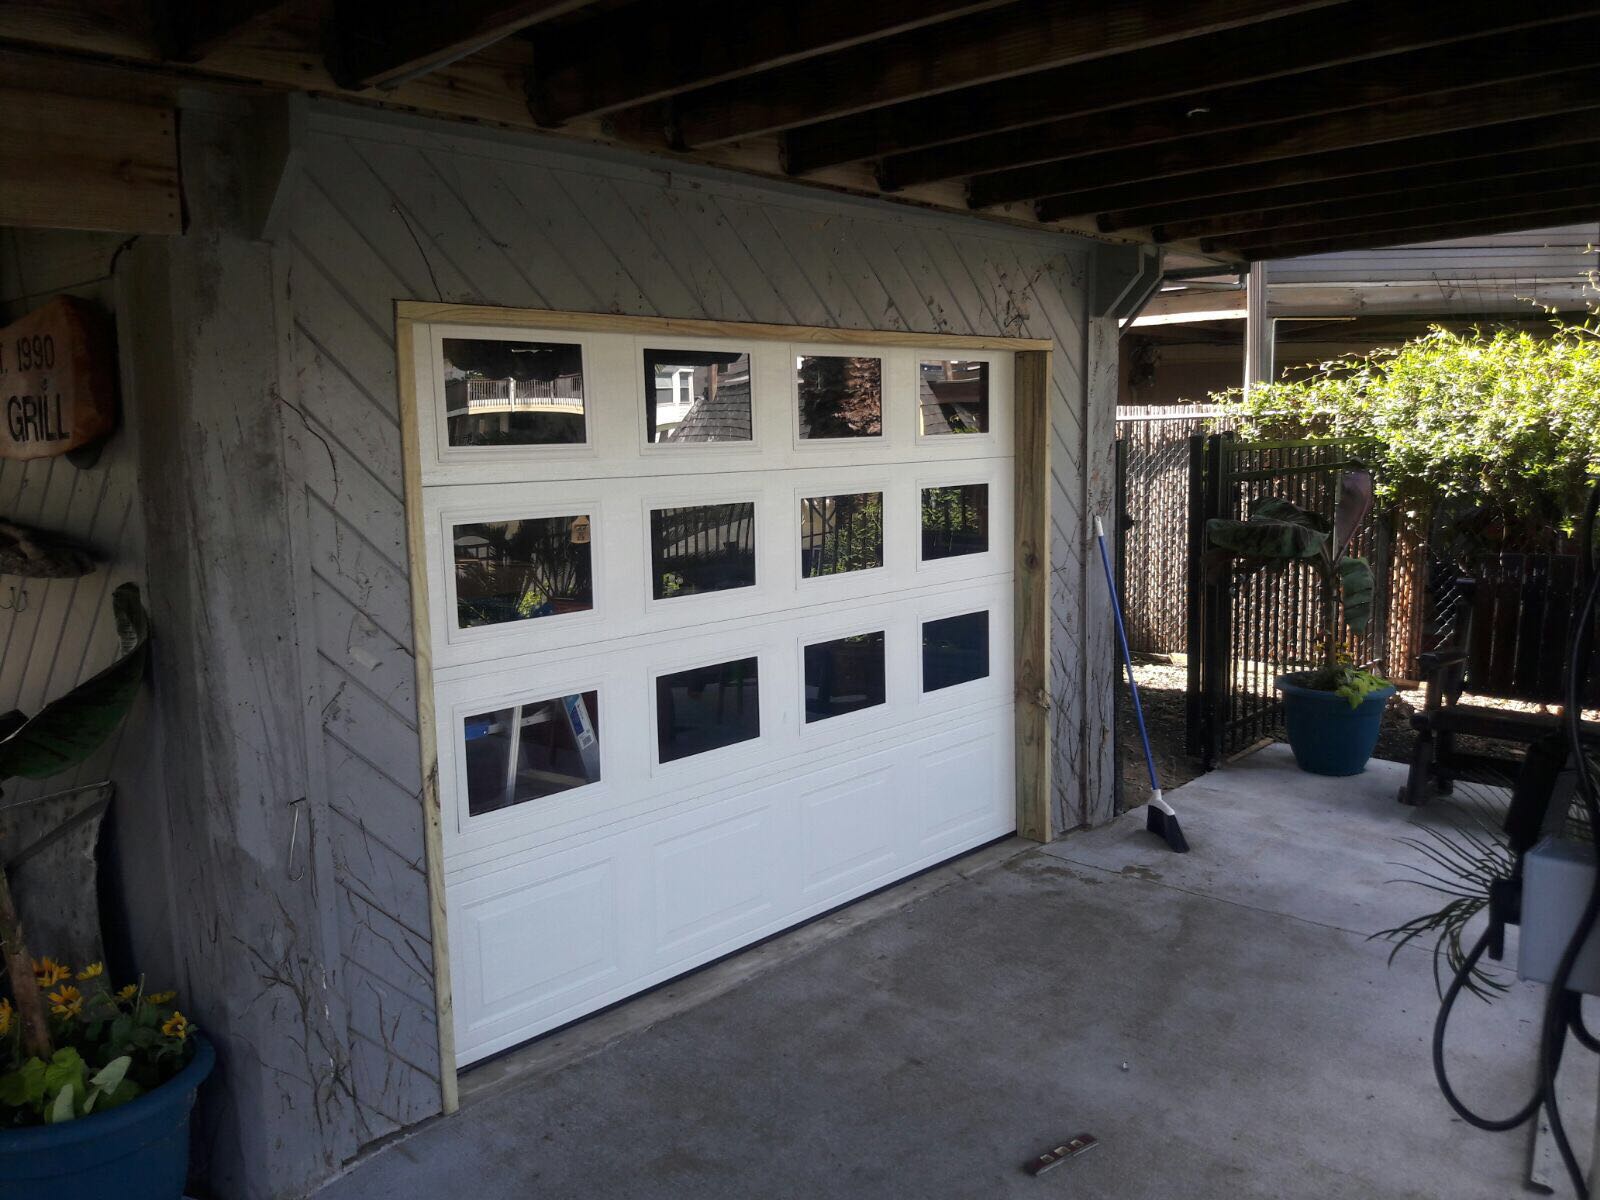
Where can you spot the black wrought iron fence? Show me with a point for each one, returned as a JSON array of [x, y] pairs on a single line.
[[1246, 630]]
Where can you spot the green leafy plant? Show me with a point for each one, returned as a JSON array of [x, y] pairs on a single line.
[[1279, 534], [1504, 422], [109, 1047], [60, 736]]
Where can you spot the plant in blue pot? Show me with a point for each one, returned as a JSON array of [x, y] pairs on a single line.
[[1333, 711], [96, 1082]]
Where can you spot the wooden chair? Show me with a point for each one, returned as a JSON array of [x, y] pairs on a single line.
[[1436, 763]]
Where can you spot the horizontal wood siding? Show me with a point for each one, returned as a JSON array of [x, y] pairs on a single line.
[[386, 211]]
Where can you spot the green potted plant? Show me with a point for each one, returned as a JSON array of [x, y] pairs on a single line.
[[96, 1084], [1333, 711]]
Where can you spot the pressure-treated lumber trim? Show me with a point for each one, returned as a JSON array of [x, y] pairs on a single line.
[[1500, 58], [1286, 46], [1028, 36], [427, 731], [69, 162], [386, 43], [538, 318], [588, 67], [1031, 400], [1365, 129], [1032, 542]]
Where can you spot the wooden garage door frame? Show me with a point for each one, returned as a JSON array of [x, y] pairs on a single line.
[[1032, 558]]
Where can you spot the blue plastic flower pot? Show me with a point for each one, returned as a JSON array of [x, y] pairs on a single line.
[[137, 1151], [1329, 737]]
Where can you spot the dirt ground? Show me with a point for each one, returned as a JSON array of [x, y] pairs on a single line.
[[1163, 684]]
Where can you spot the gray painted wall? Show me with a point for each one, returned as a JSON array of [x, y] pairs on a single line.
[[269, 440]]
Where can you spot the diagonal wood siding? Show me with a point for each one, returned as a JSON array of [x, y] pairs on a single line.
[[392, 210]]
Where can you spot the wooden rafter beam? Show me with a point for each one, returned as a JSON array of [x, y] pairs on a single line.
[[588, 67], [1458, 212], [1272, 49], [188, 30], [1509, 191], [1029, 35], [386, 43], [1368, 128], [1423, 235], [1501, 58], [1163, 217]]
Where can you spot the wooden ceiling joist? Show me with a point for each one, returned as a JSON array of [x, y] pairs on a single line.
[[1272, 49], [1368, 129], [1030, 35], [1478, 208], [189, 30], [386, 43], [1164, 218], [586, 68], [1514, 193], [1226, 180], [1546, 219], [1502, 58]]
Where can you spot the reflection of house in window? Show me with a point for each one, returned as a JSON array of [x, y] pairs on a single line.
[[504, 393], [697, 396], [954, 396]]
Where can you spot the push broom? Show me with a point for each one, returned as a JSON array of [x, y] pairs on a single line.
[[1160, 819]]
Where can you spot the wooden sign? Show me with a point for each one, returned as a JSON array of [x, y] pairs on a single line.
[[57, 380]]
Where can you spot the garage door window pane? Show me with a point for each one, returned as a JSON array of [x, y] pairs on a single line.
[[841, 533], [704, 548], [530, 751], [840, 397], [520, 570], [954, 395], [844, 675], [955, 520], [697, 396], [508, 393], [954, 650], [705, 708]]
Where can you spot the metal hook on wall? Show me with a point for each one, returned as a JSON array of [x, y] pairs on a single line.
[[294, 836], [18, 601]]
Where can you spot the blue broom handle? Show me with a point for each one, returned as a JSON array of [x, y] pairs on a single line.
[[1127, 658]]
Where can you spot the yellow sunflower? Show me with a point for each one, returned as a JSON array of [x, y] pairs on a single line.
[[49, 972], [128, 993], [162, 997], [92, 971], [68, 1002], [176, 1026]]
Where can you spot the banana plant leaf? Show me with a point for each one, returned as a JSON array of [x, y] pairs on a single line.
[[72, 727], [1276, 532], [1353, 504], [1357, 586]]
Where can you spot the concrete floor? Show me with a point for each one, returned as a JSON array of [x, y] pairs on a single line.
[[1217, 1020]]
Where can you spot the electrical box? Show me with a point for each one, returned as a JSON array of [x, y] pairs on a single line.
[[1557, 876]]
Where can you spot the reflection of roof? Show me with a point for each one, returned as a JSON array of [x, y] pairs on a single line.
[[951, 405], [723, 418]]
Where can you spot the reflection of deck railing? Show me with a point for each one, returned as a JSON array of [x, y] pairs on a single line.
[[531, 393]]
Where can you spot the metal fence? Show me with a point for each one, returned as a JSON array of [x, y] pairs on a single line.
[[1246, 630]]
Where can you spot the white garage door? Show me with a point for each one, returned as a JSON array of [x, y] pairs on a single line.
[[721, 637]]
